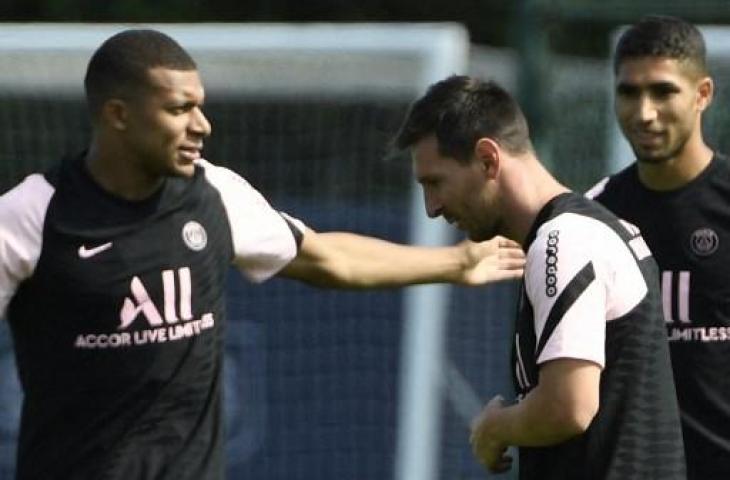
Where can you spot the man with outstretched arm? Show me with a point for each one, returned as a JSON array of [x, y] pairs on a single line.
[[113, 267]]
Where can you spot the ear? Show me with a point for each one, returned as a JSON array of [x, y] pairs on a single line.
[[705, 91], [487, 155], [115, 113]]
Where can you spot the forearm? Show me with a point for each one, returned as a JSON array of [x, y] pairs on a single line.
[[367, 261], [533, 423], [347, 260], [561, 406]]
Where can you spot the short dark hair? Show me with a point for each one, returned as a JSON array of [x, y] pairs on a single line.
[[459, 111], [120, 66], [663, 36]]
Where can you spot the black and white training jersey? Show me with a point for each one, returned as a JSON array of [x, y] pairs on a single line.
[[688, 231], [590, 292], [117, 313]]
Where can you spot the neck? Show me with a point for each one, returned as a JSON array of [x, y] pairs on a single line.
[[678, 170], [117, 172], [531, 188]]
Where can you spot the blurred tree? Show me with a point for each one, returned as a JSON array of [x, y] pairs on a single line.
[[487, 20], [570, 26]]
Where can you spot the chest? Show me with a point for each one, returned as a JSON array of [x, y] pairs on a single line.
[[690, 234], [164, 270]]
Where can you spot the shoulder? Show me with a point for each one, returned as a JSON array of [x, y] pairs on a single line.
[[22, 216], [613, 185], [231, 186], [574, 227], [562, 247], [566, 288], [598, 188], [571, 242], [221, 176], [721, 169], [264, 239], [566, 228], [25, 204]]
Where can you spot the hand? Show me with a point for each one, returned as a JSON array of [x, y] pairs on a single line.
[[494, 260], [487, 450]]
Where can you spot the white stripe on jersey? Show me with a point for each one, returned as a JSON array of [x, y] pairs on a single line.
[[667, 296], [640, 248], [520, 372], [683, 298], [186, 294], [22, 213], [637, 244], [597, 189], [263, 243], [618, 287], [683, 284], [630, 227]]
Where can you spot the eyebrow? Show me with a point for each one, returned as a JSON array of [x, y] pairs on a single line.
[[426, 178], [184, 103], [629, 87]]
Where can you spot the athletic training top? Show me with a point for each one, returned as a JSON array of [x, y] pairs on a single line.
[[688, 231], [117, 314], [591, 293]]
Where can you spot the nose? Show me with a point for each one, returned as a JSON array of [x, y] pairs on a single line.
[[199, 124], [647, 111], [433, 206]]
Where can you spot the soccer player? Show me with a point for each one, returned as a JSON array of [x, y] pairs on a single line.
[[112, 271], [678, 193], [591, 362]]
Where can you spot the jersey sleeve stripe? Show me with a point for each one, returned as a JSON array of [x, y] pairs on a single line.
[[521, 373], [597, 189], [639, 247], [567, 298]]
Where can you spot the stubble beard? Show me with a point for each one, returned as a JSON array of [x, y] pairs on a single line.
[[661, 157], [486, 233]]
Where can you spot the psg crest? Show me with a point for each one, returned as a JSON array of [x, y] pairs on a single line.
[[194, 236], [704, 242]]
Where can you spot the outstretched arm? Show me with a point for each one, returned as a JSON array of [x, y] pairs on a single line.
[[348, 260]]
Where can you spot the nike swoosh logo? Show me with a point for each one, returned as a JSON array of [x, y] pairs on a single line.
[[90, 252]]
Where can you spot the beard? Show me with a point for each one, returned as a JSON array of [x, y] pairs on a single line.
[[660, 156], [486, 232]]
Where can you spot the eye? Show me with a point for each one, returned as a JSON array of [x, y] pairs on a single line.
[[627, 91], [663, 90], [429, 182], [181, 109]]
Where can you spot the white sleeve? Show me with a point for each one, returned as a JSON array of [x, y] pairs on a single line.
[[264, 240], [568, 291], [22, 213]]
